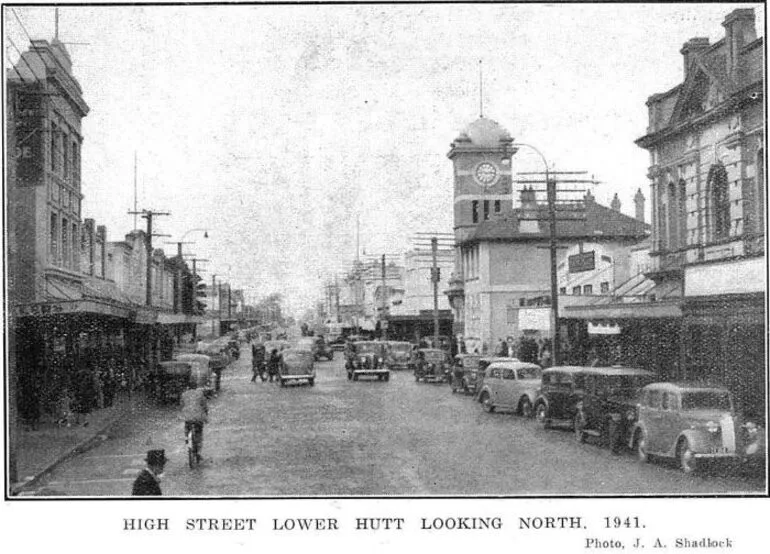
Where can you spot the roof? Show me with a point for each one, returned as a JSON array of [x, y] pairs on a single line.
[[486, 133], [512, 363], [566, 369], [686, 386], [617, 370], [600, 222]]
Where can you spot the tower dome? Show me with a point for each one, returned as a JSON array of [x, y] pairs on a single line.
[[487, 133]]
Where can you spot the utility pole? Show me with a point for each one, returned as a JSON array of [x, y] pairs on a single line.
[[434, 276], [229, 301], [383, 320], [149, 215], [337, 297], [573, 211], [213, 288]]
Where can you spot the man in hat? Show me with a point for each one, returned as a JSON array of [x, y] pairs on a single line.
[[147, 482]]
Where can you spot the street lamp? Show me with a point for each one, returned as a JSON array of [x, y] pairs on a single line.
[[551, 197]]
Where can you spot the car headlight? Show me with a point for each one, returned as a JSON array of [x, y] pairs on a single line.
[[630, 415], [615, 417], [712, 426]]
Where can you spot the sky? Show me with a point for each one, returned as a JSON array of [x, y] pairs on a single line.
[[276, 127]]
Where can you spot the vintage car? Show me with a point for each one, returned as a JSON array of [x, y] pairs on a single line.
[[608, 407], [431, 365], [465, 373], [692, 423], [561, 389], [398, 354], [170, 380], [200, 369], [484, 363], [511, 385], [323, 349], [367, 358], [307, 343], [296, 365]]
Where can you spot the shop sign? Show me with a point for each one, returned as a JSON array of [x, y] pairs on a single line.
[[585, 261], [603, 328], [42, 309], [538, 319]]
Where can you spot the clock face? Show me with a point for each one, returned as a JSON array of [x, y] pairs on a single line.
[[486, 173]]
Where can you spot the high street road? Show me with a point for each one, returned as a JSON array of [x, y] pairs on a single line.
[[343, 438]]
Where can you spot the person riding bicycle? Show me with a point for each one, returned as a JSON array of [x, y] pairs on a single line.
[[195, 411]]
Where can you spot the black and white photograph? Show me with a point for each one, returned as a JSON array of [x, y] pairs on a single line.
[[461, 251]]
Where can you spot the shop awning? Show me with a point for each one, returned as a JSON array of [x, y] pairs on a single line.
[[71, 307], [625, 310]]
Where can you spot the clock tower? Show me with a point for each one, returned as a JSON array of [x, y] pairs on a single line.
[[482, 175]]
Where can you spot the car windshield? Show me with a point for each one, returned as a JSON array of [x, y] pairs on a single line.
[[434, 356], [401, 347], [706, 400], [529, 372], [368, 348], [293, 356]]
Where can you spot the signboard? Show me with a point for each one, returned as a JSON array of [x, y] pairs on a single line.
[[538, 319], [603, 328], [585, 261]]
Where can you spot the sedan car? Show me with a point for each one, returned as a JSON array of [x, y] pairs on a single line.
[[367, 358], [608, 409], [296, 365], [511, 385], [693, 422], [561, 389], [398, 354], [431, 365]]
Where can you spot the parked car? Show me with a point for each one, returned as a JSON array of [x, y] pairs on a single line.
[[561, 389], [398, 354], [608, 407], [431, 365], [323, 349], [511, 385], [170, 380], [296, 365], [367, 358], [484, 363], [465, 373], [692, 423]]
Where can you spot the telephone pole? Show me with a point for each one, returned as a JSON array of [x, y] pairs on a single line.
[[149, 215], [383, 320], [435, 277]]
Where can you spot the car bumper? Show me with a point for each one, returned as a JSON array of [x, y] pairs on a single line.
[[299, 376], [370, 371]]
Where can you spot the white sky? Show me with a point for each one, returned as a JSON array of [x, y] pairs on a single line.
[[274, 126]]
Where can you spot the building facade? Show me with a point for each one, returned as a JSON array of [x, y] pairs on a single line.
[[706, 139]]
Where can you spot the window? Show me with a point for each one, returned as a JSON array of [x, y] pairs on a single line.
[[75, 162], [576, 290], [604, 287], [53, 246], [563, 290], [588, 289], [54, 133], [65, 247], [497, 206], [510, 314], [66, 156], [75, 253], [486, 210], [682, 213], [475, 207], [673, 212], [662, 227], [760, 182], [509, 374], [719, 198]]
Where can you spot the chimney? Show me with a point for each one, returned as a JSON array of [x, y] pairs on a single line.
[[615, 204], [739, 31], [639, 201], [691, 49]]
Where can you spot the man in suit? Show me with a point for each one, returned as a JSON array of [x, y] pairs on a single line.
[[147, 482]]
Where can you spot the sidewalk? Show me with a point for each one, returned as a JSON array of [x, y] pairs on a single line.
[[41, 450]]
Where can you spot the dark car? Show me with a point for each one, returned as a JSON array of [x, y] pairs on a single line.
[[398, 354], [465, 373], [608, 409], [323, 349], [561, 389], [367, 358], [431, 364]]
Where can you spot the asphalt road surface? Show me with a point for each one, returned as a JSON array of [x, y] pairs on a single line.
[[369, 437]]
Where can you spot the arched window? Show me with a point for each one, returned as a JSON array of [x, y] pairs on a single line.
[[719, 200], [673, 214], [682, 213]]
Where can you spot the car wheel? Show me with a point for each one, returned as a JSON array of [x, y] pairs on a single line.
[[685, 456], [311, 382], [466, 390], [541, 414], [640, 446], [525, 408], [331, 356], [416, 378], [613, 436], [578, 426], [350, 376], [453, 386], [387, 376], [355, 377], [486, 401], [282, 382]]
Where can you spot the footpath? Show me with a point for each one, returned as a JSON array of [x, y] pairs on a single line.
[[39, 451]]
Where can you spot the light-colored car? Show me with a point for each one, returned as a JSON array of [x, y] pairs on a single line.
[[693, 422], [297, 365], [511, 385]]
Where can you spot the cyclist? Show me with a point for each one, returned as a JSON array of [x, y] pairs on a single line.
[[195, 411]]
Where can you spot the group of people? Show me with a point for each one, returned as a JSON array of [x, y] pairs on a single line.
[[526, 349], [264, 365]]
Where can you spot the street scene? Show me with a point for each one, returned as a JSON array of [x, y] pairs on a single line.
[[380, 250]]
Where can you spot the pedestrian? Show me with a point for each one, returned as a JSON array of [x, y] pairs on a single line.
[[502, 349], [511, 348], [147, 483], [257, 362], [85, 396], [272, 364]]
